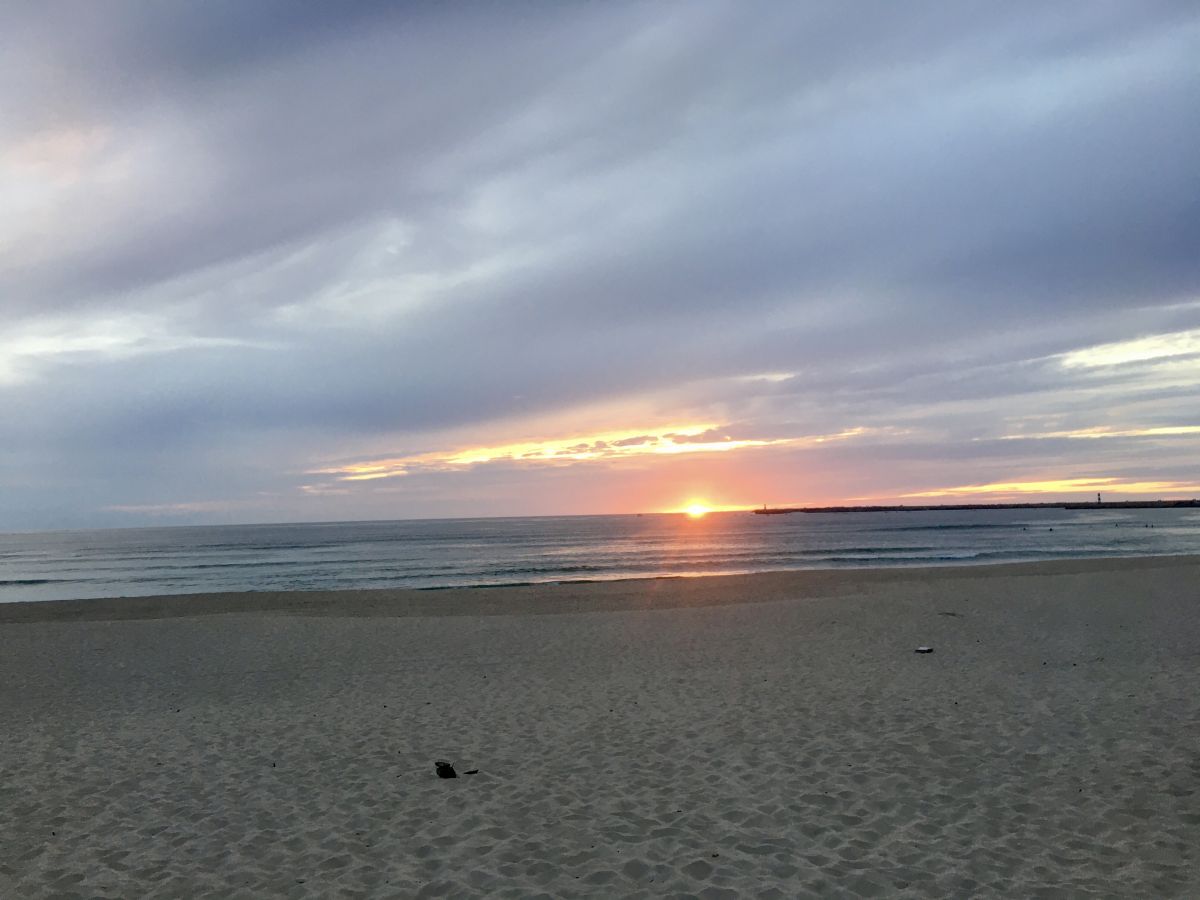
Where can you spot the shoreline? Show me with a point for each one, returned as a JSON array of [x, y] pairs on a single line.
[[769, 735], [550, 597]]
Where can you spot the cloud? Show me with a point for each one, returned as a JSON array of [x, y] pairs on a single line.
[[325, 235], [668, 440], [1153, 347], [1069, 485], [1100, 433]]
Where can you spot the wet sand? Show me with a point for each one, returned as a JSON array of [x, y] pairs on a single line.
[[762, 735]]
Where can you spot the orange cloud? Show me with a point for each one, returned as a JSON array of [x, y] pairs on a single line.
[[660, 441], [1065, 485]]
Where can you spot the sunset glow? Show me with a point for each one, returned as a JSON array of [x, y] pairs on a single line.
[[663, 440], [1066, 485], [697, 510]]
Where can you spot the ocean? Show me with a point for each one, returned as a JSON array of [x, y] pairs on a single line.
[[440, 553]]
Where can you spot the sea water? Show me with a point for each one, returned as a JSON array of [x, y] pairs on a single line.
[[443, 553]]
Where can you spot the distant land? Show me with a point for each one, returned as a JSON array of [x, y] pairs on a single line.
[[1107, 504]]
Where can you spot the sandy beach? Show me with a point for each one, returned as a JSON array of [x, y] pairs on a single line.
[[742, 736]]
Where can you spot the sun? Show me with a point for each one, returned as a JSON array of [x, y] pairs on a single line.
[[696, 510]]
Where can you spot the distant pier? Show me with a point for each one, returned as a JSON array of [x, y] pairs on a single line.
[[946, 507]]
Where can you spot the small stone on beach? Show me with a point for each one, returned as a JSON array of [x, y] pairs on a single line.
[[444, 769], [923, 650]]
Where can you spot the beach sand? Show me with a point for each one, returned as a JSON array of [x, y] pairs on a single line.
[[758, 736]]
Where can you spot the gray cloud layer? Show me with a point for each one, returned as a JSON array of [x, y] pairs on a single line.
[[242, 238]]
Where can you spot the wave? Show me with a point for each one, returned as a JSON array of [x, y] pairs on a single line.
[[961, 526], [433, 555]]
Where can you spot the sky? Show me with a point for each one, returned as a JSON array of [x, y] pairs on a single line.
[[297, 262]]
